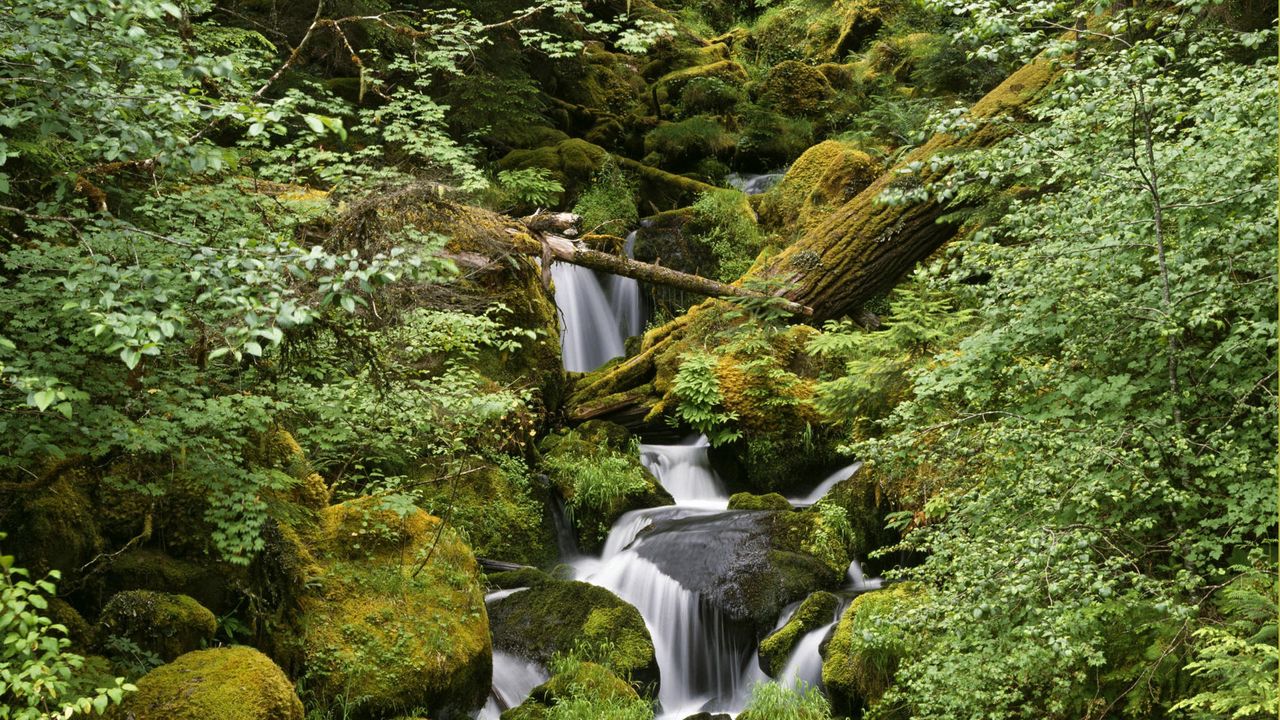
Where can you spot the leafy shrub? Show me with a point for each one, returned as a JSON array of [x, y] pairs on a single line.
[[36, 671], [770, 140], [608, 205], [533, 186], [701, 402]]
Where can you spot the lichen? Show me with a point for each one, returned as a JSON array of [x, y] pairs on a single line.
[[229, 683]]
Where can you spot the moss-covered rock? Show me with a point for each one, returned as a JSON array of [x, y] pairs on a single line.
[[672, 84], [678, 145], [498, 509], [559, 616], [768, 139], [866, 505], [747, 501], [398, 618], [571, 162], [230, 683], [78, 630], [214, 585], [796, 89], [522, 578], [161, 623], [596, 470], [867, 647], [817, 610], [821, 180], [55, 527]]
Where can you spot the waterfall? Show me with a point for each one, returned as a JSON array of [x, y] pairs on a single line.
[[589, 333], [823, 487], [624, 297], [685, 471], [513, 679], [805, 663], [858, 581]]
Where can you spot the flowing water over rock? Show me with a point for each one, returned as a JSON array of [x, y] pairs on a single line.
[[681, 566], [754, 184], [825, 486]]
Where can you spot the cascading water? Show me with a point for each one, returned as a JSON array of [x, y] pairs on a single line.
[[754, 184], [513, 679], [825, 486], [685, 471], [624, 297], [589, 334]]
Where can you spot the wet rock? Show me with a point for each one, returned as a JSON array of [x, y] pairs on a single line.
[[559, 616]]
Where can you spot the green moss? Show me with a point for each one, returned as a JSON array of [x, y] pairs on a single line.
[[821, 180], [747, 501], [571, 162], [769, 139], [816, 611], [710, 95], [497, 509], [559, 617], [78, 630], [581, 691], [524, 577], [213, 584], [679, 144], [161, 623], [671, 85], [55, 528], [387, 629], [796, 89], [231, 683], [867, 646]]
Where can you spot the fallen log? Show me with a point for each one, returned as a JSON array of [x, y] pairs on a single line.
[[566, 250]]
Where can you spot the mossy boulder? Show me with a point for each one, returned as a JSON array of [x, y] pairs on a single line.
[[397, 619], [746, 565], [794, 88], [165, 624], [597, 471], [229, 683], [821, 180], [817, 610], [769, 139], [747, 501], [677, 145], [867, 646], [866, 504], [78, 630], [557, 616], [522, 578], [573, 163], [215, 585], [55, 527], [499, 509], [672, 84]]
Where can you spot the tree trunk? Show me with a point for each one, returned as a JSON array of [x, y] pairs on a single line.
[[860, 251]]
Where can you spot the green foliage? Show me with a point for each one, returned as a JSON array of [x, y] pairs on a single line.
[[36, 670], [676, 144], [726, 224], [600, 480], [530, 186], [1090, 461], [1237, 661], [773, 701], [608, 205], [709, 95], [701, 403]]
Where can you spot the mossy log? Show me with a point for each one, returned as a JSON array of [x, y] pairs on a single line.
[[859, 251]]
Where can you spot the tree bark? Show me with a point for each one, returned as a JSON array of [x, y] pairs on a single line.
[[860, 251]]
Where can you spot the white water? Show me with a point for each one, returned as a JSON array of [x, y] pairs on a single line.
[[513, 679], [624, 297], [589, 335], [805, 663], [754, 184], [825, 486], [859, 582], [685, 471]]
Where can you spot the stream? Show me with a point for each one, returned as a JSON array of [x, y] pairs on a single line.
[[707, 661]]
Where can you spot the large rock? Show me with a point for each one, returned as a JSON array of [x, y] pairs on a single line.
[[164, 624], [589, 689], [398, 619], [230, 683], [559, 616], [748, 565]]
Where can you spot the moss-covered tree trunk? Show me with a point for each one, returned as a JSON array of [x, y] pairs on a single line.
[[858, 252]]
